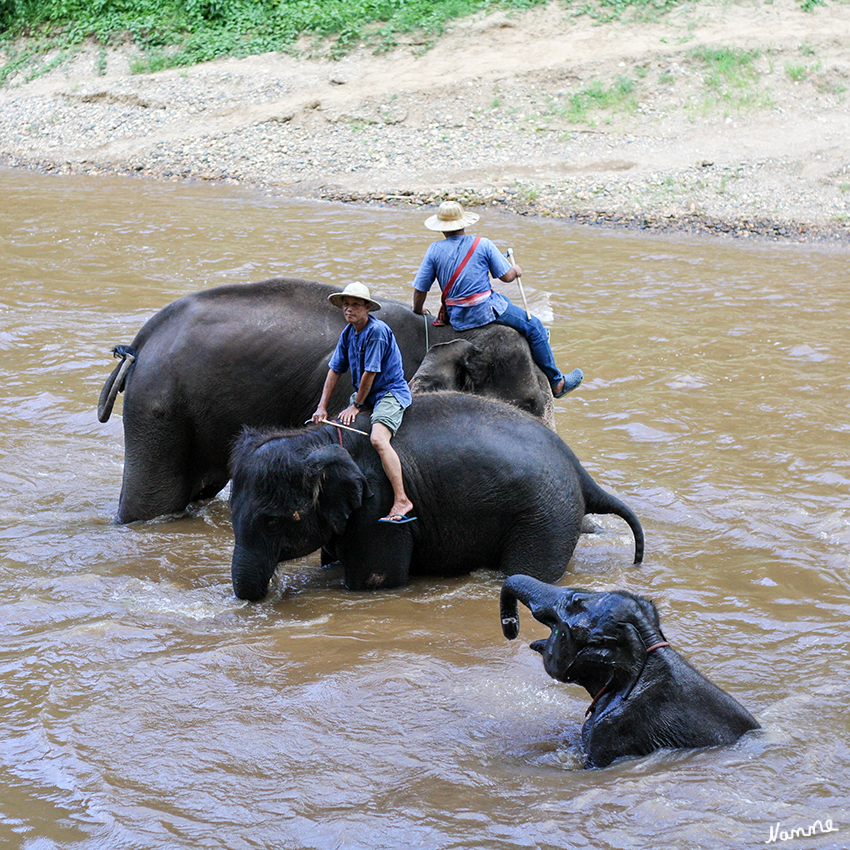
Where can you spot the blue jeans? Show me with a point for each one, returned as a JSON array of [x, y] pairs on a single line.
[[533, 330]]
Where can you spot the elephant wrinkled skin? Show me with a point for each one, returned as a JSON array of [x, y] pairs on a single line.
[[645, 695], [250, 354], [492, 488]]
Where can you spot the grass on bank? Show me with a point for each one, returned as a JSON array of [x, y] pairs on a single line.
[[731, 84], [172, 33]]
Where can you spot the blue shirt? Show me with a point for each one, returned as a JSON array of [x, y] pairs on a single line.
[[441, 260], [374, 349]]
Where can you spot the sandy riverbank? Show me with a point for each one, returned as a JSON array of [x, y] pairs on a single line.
[[488, 115]]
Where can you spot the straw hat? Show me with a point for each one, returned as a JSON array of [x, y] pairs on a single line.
[[450, 216], [355, 290]]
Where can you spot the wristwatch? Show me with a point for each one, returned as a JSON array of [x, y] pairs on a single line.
[[358, 404]]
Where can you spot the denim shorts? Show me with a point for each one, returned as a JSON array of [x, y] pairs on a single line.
[[388, 411]]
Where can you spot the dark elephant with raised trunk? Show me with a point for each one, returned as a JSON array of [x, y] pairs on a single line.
[[492, 488], [250, 354], [645, 695]]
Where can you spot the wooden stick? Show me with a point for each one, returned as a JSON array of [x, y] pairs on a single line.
[[519, 282], [345, 427]]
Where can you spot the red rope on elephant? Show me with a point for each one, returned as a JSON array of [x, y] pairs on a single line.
[[595, 700]]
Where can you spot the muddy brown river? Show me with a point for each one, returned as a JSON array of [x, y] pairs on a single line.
[[144, 706]]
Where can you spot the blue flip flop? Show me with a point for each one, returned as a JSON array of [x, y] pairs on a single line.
[[571, 381], [400, 521]]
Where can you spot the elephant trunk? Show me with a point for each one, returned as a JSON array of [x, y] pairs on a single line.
[[250, 575], [539, 597]]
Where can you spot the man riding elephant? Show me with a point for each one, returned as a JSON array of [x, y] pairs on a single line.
[[462, 265], [368, 348]]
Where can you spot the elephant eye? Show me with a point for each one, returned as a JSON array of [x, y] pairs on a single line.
[[272, 523]]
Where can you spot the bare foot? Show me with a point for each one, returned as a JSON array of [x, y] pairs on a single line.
[[401, 508], [398, 513]]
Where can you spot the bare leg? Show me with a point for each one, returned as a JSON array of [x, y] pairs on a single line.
[[381, 436]]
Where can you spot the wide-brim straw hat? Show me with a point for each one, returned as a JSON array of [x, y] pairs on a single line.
[[355, 290], [450, 216]]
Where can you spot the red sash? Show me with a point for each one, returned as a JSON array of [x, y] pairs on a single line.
[[443, 316]]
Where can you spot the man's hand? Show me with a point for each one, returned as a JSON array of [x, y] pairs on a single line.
[[320, 414], [348, 415]]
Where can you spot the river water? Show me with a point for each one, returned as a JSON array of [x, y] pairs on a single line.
[[143, 706]]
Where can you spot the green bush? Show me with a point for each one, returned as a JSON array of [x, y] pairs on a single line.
[[182, 32]]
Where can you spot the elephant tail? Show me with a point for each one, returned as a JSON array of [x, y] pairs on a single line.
[[115, 382], [597, 501]]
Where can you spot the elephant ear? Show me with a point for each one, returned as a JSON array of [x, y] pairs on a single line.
[[622, 646], [338, 488], [649, 624], [447, 366], [618, 648], [474, 368]]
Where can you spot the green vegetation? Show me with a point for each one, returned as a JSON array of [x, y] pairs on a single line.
[[731, 78], [727, 68], [612, 10], [579, 107], [184, 32], [526, 193], [797, 73], [173, 33]]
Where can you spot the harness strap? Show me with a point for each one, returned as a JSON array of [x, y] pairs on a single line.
[[595, 700]]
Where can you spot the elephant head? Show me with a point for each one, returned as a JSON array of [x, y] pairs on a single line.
[[492, 361], [289, 497], [456, 365], [597, 639]]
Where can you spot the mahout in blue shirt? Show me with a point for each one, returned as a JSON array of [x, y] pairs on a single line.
[[374, 349]]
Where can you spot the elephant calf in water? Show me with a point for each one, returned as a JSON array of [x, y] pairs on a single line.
[[645, 695], [492, 487]]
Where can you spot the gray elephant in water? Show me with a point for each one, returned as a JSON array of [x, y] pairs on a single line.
[[492, 487], [645, 695], [491, 365], [257, 355]]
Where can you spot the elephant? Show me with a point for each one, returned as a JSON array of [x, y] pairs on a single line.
[[645, 695], [493, 366], [492, 487], [244, 354]]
